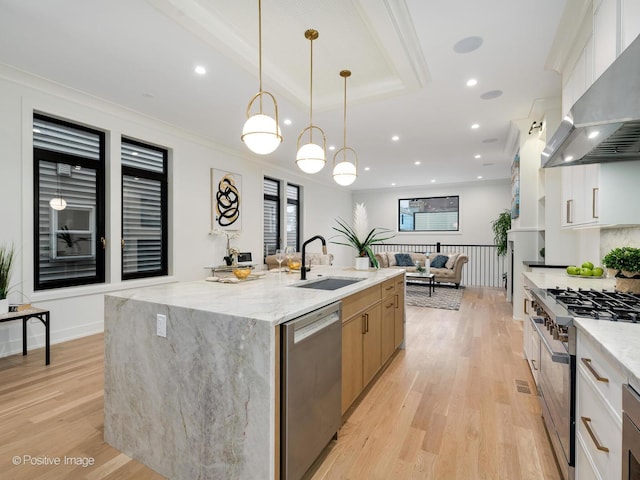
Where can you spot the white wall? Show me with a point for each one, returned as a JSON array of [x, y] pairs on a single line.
[[78, 311], [480, 203]]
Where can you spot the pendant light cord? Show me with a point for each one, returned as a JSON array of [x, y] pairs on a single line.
[[260, 50], [311, 94], [344, 151]]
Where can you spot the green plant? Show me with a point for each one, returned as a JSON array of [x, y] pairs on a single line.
[[7, 254], [359, 236], [625, 258], [500, 227]]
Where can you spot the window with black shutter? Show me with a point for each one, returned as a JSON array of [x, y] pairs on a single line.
[[144, 210], [69, 240]]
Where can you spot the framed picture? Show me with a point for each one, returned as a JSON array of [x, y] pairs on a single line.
[[226, 200]]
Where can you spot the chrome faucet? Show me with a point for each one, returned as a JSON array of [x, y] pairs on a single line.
[[303, 269]]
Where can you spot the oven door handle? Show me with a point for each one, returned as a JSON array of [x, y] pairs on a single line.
[[556, 357]]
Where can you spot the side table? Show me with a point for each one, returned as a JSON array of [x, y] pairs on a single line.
[[24, 315]]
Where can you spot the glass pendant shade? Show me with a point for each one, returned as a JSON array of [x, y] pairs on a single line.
[[344, 173], [310, 158], [58, 203], [261, 134]]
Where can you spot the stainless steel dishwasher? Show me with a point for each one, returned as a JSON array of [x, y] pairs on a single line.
[[311, 385]]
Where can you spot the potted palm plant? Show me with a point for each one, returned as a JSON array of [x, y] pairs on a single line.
[[624, 264], [7, 254], [360, 237]]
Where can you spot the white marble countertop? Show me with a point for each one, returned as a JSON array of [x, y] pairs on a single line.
[[560, 279], [620, 341], [271, 298]]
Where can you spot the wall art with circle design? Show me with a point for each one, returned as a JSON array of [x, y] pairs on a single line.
[[226, 196]]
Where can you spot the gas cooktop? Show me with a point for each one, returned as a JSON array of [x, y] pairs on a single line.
[[598, 304]]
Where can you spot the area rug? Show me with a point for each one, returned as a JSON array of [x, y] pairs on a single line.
[[446, 298]]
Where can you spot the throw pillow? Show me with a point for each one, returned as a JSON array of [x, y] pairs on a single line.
[[452, 260], [440, 261], [404, 260]]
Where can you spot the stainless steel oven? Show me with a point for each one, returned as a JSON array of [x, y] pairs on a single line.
[[557, 392], [630, 434]]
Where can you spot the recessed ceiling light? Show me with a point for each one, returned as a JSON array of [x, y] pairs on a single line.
[[491, 94], [467, 45], [472, 82], [479, 177], [366, 169], [417, 162], [433, 180], [475, 126], [477, 156], [395, 138], [393, 184], [593, 134], [332, 147], [287, 121], [568, 158], [200, 70]]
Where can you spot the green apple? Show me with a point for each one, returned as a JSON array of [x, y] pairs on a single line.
[[588, 265], [586, 272], [598, 272], [573, 270]]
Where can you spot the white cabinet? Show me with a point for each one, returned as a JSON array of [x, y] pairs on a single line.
[[600, 195], [580, 195], [605, 35], [630, 21], [598, 412], [619, 195]]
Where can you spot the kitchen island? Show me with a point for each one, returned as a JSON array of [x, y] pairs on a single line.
[[204, 401]]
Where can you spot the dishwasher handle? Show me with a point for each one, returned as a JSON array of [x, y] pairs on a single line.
[[312, 323]]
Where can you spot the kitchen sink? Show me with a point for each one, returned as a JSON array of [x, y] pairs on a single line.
[[330, 283]]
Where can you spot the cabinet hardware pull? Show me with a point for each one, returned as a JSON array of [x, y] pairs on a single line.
[[569, 203], [587, 362], [533, 364], [524, 305], [391, 305], [594, 202], [397, 300], [364, 326], [390, 287], [122, 243], [586, 421], [103, 241]]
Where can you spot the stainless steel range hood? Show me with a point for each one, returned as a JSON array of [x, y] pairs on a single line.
[[604, 124]]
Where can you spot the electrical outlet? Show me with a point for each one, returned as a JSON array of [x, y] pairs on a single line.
[[161, 325]]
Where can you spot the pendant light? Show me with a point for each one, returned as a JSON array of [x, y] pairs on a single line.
[[345, 172], [58, 203], [311, 156], [261, 133]]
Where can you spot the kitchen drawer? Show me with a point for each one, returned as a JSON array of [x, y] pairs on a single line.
[[588, 354], [605, 426], [585, 469], [389, 287], [359, 302]]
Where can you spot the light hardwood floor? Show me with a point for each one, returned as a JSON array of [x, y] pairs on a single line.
[[447, 407]]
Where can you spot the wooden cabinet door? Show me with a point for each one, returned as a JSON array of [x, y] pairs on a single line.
[[372, 351], [352, 334], [388, 344], [399, 313]]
